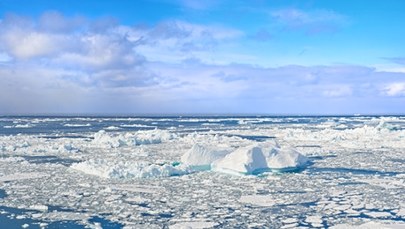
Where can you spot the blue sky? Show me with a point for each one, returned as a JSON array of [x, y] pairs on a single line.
[[211, 57]]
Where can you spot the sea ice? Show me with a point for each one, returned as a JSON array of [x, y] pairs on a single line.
[[192, 225], [77, 125], [124, 170], [114, 140], [283, 158], [260, 157], [357, 174], [200, 156], [371, 225], [244, 160]]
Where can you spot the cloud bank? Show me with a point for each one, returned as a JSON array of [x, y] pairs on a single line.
[[59, 64]]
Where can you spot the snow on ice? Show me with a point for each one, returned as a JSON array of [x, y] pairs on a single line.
[[258, 172]]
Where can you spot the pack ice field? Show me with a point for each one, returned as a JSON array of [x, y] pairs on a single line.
[[202, 172]]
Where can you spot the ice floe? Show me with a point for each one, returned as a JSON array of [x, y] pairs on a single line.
[[259, 158], [349, 171], [201, 157], [371, 225], [244, 160], [251, 159], [131, 139], [192, 225], [125, 170], [77, 125]]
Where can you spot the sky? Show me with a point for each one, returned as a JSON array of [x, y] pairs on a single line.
[[275, 57]]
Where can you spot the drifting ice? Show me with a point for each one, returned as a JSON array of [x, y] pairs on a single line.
[[131, 139], [200, 157], [250, 159], [245, 160], [124, 170]]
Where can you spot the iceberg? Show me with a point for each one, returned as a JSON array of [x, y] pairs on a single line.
[[244, 160], [200, 157], [285, 159], [258, 158]]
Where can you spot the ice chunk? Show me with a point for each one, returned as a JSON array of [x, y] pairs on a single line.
[[285, 159], [130, 139], [385, 125], [244, 160], [77, 125], [259, 200], [259, 158], [192, 224], [102, 138], [112, 128], [314, 220], [369, 225], [22, 176], [378, 214], [69, 147], [24, 126], [126, 170], [200, 157], [39, 207]]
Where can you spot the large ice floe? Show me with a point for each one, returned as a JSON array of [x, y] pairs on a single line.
[[201, 157], [251, 159], [127, 170], [262, 157], [202, 172], [103, 138]]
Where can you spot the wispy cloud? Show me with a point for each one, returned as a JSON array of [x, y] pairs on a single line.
[[104, 66], [338, 91], [109, 54], [314, 21], [394, 89], [396, 60], [198, 4]]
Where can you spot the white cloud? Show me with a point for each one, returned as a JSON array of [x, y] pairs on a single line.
[[176, 40], [396, 60], [103, 43], [33, 44], [175, 66], [338, 91], [394, 89]]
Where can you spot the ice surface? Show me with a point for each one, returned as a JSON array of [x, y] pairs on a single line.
[[125, 170], [193, 225], [285, 159], [260, 157], [130, 139], [371, 225], [201, 157], [152, 179], [112, 128], [259, 200], [244, 160], [22, 176], [77, 125]]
